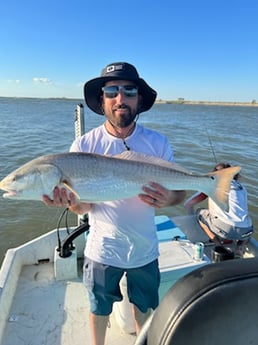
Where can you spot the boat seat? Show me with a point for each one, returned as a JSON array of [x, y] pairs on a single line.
[[216, 304]]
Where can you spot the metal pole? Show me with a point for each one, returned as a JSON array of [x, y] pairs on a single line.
[[79, 121]]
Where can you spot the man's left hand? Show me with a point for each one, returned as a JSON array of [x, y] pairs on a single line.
[[158, 196]]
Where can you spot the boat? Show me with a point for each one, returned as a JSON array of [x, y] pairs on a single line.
[[43, 299]]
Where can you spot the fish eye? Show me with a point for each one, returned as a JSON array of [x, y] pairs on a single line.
[[16, 178]]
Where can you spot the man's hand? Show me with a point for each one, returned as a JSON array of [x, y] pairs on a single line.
[[61, 198], [158, 196]]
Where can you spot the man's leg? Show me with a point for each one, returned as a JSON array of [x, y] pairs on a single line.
[[209, 233], [98, 327], [102, 283], [142, 287]]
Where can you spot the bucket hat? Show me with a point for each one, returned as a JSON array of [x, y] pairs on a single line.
[[117, 71]]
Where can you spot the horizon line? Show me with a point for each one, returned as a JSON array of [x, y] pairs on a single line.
[[159, 101]]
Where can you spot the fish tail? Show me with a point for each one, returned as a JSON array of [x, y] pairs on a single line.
[[223, 180]]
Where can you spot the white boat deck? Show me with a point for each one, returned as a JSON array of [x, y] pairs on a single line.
[[46, 311]]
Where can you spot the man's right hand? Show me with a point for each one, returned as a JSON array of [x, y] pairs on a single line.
[[62, 198]]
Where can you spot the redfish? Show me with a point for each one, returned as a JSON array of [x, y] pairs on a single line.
[[96, 178]]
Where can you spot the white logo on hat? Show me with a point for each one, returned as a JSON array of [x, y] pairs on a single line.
[[112, 68]]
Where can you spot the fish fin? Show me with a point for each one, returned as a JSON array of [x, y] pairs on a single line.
[[143, 158], [70, 188], [223, 181]]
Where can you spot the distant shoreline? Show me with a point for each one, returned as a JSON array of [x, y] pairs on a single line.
[[241, 104], [159, 101]]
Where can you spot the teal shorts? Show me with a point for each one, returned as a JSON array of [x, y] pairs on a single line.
[[102, 283]]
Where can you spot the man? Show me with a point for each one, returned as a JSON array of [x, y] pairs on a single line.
[[122, 235], [221, 226]]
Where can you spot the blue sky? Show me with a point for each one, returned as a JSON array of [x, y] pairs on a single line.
[[195, 49]]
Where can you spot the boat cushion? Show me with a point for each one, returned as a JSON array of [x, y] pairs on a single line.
[[214, 304]]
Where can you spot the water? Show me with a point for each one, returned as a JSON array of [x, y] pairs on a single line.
[[34, 127]]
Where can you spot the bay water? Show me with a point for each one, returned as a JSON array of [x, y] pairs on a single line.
[[200, 135]]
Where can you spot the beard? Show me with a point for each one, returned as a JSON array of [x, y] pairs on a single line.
[[125, 118]]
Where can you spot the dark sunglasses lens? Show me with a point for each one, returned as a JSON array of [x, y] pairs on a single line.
[[112, 91], [130, 91]]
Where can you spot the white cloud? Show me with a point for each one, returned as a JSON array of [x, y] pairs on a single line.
[[40, 80], [16, 81]]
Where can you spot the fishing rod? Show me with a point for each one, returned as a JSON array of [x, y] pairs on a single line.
[[211, 146]]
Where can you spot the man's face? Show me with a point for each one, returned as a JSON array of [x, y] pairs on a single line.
[[120, 107]]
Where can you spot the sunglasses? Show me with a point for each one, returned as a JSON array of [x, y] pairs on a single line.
[[113, 90]]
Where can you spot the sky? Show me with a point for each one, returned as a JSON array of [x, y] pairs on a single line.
[[193, 49]]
